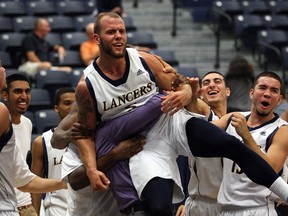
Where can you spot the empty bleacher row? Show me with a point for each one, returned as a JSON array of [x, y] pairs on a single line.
[[258, 26]]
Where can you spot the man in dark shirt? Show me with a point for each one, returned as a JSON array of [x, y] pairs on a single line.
[[36, 50]]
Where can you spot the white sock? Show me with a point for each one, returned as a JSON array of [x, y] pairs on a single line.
[[280, 188]]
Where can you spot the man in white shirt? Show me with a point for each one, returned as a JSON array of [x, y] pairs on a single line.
[[17, 99]]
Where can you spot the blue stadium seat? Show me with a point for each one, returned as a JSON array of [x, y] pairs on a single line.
[[5, 59], [52, 80], [225, 11], [167, 55], [256, 7], [73, 40], [276, 21], [11, 43], [75, 76], [46, 119], [6, 24], [12, 8], [278, 7], [72, 59], [24, 23], [54, 38], [246, 28], [81, 21], [40, 99], [72, 8], [30, 115], [41, 8], [270, 43], [188, 71], [142, 38], [129, 24], [61, 23]]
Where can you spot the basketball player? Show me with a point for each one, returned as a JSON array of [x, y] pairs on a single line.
[[206, 173], [265, 133], [46, 161]]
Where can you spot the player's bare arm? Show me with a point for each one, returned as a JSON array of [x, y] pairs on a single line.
[[122, 151], [37, 168], [69, 130], [87, 116], [42, 185]]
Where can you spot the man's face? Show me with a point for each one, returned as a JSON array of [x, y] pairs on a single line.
[[44, 28], [18, 97], [213, 89], [112, 39], [65, 103], [265, 96]]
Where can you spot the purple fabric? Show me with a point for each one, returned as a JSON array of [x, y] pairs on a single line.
[[117, 130]]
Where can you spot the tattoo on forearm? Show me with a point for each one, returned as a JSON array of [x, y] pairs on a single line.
[[84, 107]]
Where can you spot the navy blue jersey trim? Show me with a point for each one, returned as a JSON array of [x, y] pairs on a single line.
[[115, 82], [147, 68]]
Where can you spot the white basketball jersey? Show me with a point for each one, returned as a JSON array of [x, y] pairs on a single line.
[[117, 97], [236, 188], [206, 174], [56, 198]]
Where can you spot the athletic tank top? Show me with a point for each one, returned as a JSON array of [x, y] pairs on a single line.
[[117, 97]]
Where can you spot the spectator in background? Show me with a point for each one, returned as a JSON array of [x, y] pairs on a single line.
[[239, 78], [36, 50], [110, 6], [89, 50]]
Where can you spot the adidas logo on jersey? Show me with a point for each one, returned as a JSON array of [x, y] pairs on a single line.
[[139, 72], [263, 133]]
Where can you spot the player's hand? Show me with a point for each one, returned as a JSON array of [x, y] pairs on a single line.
[[126, 149], [239, 122], [194, 83], [98, 180], [80, 131], [180, 211], [174, 101]]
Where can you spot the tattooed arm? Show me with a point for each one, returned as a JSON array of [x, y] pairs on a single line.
[[87, 116]]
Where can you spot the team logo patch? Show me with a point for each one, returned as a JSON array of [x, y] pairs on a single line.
[[139, 72]]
